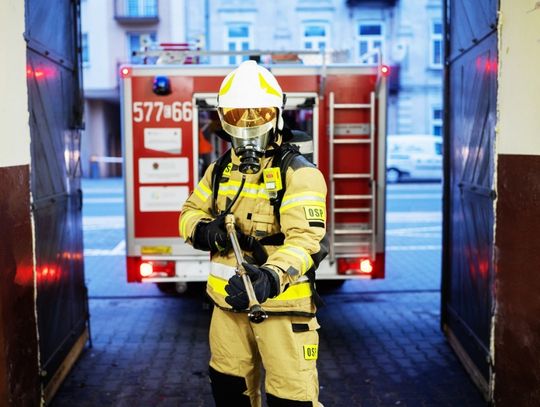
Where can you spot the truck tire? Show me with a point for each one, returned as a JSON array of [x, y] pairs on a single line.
[[328, 286], [191, 289], [172, 288]]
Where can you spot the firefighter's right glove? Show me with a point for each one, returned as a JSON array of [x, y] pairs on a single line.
[[212, 236], [265, 284]]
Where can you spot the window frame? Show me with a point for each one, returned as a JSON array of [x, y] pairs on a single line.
[[240, 43], [370, 40], [316, 40], [433, 39], [85, 50], [436, 122], [129, 35], [141, 7]]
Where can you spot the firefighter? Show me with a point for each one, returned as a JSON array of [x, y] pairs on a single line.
[[280, 222]]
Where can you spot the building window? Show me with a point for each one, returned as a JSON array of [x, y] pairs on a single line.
[[142, 8], [238, 39], [436, 121], [84, 49], [436, 46], [315, 36], [136, 42], [370, 39]]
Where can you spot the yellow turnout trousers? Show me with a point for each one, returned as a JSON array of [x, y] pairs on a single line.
[[286, 346]]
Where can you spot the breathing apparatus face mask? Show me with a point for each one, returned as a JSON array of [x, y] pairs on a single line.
[[251, 130]]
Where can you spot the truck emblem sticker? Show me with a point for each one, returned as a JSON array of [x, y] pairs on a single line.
[[156, 250]]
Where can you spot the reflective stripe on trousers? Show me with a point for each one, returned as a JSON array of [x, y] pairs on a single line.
[[221, 273]]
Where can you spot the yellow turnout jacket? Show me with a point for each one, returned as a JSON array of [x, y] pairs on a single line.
[[302, 222]]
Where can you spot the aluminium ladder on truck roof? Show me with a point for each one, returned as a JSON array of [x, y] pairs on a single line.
[[182, 53], [352, 239]]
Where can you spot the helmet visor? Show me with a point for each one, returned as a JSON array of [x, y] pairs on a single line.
[[248, 117], [249, 125]]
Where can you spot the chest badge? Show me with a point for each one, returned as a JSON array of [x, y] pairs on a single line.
[[272, 180]]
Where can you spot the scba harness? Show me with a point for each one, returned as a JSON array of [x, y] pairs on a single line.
[[282, 159], [284, 156]]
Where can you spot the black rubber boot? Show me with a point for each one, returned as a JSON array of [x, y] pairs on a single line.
[[228, 390]]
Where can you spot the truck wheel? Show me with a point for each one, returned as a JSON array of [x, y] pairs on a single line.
[[327, 286], [166, 288], [392, 176], [172, 288]]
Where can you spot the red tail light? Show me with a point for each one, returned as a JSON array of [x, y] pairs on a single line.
[[355, 266], [146, 269], [385, 70], [157, 268], [365, 266], [137, 269]]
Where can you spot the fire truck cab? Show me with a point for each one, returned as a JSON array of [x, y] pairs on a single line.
[[169, 127]]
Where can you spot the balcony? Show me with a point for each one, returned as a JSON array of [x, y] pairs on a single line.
[[384, 3], [136, 12]]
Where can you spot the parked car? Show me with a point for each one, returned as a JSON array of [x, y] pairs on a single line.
[[413, 157]]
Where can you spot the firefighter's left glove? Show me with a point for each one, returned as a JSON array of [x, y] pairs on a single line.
[[212, 236], [265, 284]]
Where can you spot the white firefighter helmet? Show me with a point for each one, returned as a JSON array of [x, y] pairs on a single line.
[[250, 102]]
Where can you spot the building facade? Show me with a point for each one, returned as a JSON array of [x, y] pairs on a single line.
[[111, 31], [403, 34]]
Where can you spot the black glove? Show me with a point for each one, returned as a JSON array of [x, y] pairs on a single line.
[[212, 236], [250, 244], [265, 283]]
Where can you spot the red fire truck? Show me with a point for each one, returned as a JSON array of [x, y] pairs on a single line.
[[169, 140]]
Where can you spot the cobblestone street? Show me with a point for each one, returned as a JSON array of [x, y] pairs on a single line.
[[380, 341]]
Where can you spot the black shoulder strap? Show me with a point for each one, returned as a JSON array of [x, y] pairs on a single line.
[[282, 159], [217, 172]]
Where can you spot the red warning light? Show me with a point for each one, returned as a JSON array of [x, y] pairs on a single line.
[[125, 72], [40, 73], [385, 70]]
